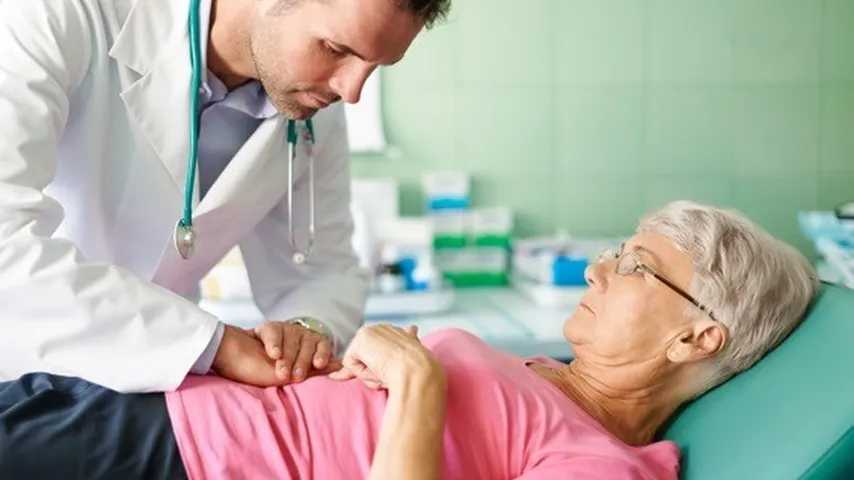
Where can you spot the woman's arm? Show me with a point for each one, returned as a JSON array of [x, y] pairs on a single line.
[[410, 443]]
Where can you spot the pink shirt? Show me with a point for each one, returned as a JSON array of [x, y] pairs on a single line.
[[503, 422]]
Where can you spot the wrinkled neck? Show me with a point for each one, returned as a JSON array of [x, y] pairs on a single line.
[[631, 402]]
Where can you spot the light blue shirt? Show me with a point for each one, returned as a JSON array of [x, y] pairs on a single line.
[[228, 119]]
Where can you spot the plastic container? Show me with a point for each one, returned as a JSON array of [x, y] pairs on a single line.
[[448, 190]]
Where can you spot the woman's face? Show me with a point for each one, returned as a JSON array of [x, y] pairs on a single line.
[[635, 318]]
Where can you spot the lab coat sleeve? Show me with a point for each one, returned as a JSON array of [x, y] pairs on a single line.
[[330, 286], [59, 312]]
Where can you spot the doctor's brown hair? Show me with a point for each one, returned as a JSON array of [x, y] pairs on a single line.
[[431, 11]]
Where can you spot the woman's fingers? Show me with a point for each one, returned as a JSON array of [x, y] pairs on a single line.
[[343, 374], [375, 354], [373, 385], [347, 374]]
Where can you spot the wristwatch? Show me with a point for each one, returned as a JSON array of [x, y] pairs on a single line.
[[314, 325]]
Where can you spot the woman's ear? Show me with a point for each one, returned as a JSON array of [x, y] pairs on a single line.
[[705, 340]]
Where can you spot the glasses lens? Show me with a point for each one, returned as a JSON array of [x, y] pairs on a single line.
[[628, 264], [606, 255]]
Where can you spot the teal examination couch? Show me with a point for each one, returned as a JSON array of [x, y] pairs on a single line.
[[791, 416]]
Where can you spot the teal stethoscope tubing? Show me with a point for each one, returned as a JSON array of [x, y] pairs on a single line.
[[195, 87], [184, 234]]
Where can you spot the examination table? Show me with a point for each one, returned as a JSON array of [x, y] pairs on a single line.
[[791, 416]]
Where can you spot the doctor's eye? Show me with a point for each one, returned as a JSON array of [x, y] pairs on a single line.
[[332, 50]]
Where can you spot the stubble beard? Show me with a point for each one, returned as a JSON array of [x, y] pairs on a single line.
[[281, 98]]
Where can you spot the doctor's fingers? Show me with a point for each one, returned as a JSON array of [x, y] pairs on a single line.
[[307, 350], [271, 334], [323, 353], [290, 349]]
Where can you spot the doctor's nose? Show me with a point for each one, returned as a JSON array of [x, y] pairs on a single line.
[[348, 82]]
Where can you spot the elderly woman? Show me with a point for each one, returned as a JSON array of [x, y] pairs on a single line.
[[697, 295]]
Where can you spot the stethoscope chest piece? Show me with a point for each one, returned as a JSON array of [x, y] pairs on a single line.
[[185, 239], [299, 258]]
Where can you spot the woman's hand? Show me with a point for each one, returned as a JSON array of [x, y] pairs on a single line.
[[383, 356], [410, 441]]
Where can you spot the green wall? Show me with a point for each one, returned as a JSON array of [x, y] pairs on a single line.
[[583, 114]]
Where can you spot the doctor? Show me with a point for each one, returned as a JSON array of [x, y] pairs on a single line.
[[94, 111]]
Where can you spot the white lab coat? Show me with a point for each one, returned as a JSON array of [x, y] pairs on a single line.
[[94, 106]]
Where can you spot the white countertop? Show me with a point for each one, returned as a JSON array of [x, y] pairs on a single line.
[[501, 316]]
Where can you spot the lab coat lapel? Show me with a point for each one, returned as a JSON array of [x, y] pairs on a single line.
[[254, 180], [248, 188], [154, 43]]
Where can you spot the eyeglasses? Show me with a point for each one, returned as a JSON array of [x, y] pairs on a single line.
[[629, 263]]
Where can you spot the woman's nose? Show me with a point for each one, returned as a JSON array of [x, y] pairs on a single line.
[[595, 275]]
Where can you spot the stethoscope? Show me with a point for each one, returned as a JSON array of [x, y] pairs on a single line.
[[185, 236]]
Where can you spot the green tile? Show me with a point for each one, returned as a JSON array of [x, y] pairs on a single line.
[[585, 114], [837, 123], [776, 130], [412, 197], [774, 202], [659, 190], [430, 61], [838, 40], [689, 42], [371, 166], [420, 123], [505, 42], [504, 129], [598, 205], [834, 189], [689, 130], [599, 130], [776, 41], [599, 42], [529, 195]]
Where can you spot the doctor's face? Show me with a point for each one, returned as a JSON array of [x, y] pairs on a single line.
[[311, 53]]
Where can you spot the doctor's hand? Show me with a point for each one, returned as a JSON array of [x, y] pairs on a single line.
[[384, 356], [298, 352], [242, 357]]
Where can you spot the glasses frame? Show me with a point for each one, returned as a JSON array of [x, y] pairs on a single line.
[[620, 254]]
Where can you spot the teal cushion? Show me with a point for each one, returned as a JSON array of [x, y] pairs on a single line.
[[790, 416]]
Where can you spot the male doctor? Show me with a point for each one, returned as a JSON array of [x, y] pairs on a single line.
[[94, 111]]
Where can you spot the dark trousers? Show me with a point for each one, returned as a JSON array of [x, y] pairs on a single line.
[[56, 427]]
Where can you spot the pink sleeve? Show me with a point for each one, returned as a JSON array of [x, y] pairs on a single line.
[[588, 468]]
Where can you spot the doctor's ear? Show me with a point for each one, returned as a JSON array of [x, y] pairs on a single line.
[[704, 340]]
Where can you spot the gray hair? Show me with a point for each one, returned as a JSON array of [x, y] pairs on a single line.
[[757, 286]]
